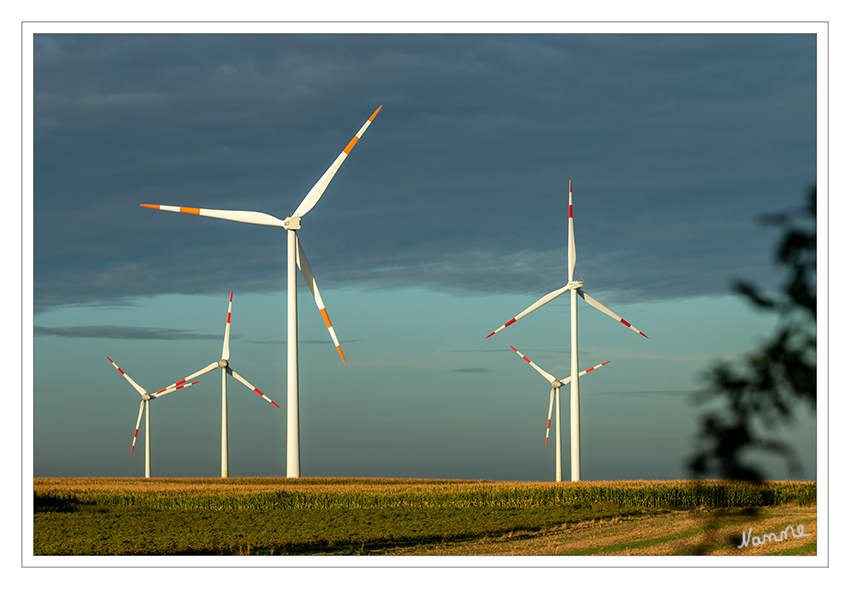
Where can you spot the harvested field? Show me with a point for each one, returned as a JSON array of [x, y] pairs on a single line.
[[698, 532]]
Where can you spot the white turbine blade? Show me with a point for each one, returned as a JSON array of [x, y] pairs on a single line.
[[537, 305], [250, 386], [542, 372], [138, 421], [549, 419], [301, 260], [171, 389], [316, 192], [571, 257], [594, 303], [176, 385], [582, 373], [225, 351], [127, 376], [240, 216]]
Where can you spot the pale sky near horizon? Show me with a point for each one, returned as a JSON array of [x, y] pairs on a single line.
[[448, 218]]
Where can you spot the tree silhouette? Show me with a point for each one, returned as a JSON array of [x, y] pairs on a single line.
[[770, 383]]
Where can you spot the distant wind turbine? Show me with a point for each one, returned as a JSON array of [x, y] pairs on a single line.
[[574, 287], [556, 395], [295, 256], [145, 404], [224, 364]]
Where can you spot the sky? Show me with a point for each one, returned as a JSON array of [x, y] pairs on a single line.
[[448, 218]]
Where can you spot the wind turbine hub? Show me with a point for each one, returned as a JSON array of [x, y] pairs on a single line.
[[556, 384], [222, 363], [576, 284], [147, 397], [292, 223]]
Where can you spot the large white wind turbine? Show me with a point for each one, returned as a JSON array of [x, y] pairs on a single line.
[[574, 287], [295, 256], [555, 395], [224, 364], [145, 404]]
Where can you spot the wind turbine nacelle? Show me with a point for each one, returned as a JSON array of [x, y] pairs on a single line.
[[292, 223]]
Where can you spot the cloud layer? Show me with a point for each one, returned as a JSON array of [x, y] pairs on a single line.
[[674, 143]]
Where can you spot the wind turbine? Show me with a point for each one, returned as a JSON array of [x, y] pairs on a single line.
[[295, 256], [574, 288], [556, 394], [145, 404], [224, 364]]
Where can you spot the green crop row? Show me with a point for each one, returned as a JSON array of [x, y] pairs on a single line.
[[641, 494]]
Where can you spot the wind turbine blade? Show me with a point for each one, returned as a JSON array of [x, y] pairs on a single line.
[[594, 303], [571, 255], [250, 386], [127, 376], [174, 386], [301, 260], [167, 390], [319, 188], [537, 305], [542, 372], [225, 351], [549, 419], [138, 421], [582, 373], [240, 216]]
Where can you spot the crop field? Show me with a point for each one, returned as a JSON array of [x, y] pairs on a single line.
[[272, 516]]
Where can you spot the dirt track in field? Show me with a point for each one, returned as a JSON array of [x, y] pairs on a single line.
[[717, 532]]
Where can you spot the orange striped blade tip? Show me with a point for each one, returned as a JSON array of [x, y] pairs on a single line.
[[372, 118], [520, 353], [190, 210], [351, 145], [327, 319], [256, 390], [339, 349], [512, 321]]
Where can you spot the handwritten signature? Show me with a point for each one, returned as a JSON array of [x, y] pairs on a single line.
[[747, 537]]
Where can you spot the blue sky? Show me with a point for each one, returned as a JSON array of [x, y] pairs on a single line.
[[448, 218]]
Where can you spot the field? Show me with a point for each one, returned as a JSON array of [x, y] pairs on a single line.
[[271, 516]]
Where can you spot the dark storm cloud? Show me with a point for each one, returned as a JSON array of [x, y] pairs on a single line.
[[675, 143], [120, 332]]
